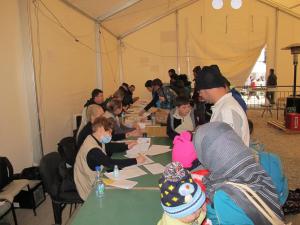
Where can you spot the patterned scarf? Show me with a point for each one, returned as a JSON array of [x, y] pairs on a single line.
[[223, 153]]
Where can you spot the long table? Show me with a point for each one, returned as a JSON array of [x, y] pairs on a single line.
[[127, 207]]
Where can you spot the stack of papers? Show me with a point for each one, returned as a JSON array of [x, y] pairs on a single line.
[[155, 168], [158, 149], [127, 173]]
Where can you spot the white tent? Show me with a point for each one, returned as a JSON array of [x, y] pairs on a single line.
[[56, 51]]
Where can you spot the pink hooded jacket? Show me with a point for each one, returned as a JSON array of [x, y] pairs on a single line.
[[183, 149]]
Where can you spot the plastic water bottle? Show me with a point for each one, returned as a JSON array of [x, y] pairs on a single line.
[[116, 171], [123, 117], [153, 119], [99, 185]]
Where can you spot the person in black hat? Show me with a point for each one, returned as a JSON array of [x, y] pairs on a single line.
[[211, 86]]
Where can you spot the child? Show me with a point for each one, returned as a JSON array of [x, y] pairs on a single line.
[[185, 153], [182, 200]]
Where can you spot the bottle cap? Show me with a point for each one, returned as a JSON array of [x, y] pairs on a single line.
[[98, 168]]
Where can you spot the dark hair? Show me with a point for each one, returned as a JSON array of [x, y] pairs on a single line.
[[226, 82], [113, 105], [107, 124], [251, 127], [172, 71], [96, 92], [132, 86], [157, 82], [148, 83], [125, 84], [197, 69], [181, 100]]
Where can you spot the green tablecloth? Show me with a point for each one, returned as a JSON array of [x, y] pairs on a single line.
[[127, 207]]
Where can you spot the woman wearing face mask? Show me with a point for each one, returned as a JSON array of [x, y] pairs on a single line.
[[92, 153]]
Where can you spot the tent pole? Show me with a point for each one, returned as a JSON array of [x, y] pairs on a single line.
[[121, 75], [177, 41], [276, 39], [99, 76]]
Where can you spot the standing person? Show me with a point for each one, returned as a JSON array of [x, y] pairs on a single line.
[[166, 95], [181, 118], [132, 89], [271, 83], [237, 95], [225, 109], [202, 108], [92, 154], [155, 98], [173, 77], [221, 151]]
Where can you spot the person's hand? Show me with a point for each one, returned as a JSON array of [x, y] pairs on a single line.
[[142, 112], [130, 144], [140, 159]]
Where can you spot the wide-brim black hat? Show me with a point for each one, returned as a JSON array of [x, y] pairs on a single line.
[[209, 77]]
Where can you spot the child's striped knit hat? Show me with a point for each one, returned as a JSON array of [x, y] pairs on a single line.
[[180, 195]]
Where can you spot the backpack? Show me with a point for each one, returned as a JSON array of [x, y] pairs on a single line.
[[271, 163], [68, 150], [6, 172]]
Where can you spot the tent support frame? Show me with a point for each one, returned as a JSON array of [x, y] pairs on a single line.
[[110, 14], [153, 20], [87, 16]]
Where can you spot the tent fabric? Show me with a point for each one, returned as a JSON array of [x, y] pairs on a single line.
[[65, 43], [121, 16]]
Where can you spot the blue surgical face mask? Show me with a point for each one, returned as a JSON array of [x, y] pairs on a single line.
[[105, 139]]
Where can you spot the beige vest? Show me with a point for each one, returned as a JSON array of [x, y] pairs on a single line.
[[84, 177]]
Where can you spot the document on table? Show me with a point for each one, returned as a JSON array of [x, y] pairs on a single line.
[[127, 173], [140, 148], [125, 184], [147, 160], [155, 168], [144, 140], [158, 149]]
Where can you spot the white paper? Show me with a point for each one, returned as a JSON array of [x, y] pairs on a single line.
[[147, 160], [125, 184], [127, 173], [140, 148], [144, 140], [158, 149], [155, 168]]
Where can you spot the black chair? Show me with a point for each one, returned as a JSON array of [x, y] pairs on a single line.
[[68, 150], [49, 169]]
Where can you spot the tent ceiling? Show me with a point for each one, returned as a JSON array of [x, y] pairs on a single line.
[[122, 17]]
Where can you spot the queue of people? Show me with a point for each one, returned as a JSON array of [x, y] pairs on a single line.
[[215, 178]]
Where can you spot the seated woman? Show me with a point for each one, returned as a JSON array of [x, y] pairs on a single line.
[[181, 118], [223, 153], [120, 131], [92, 154], [93, 112]]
